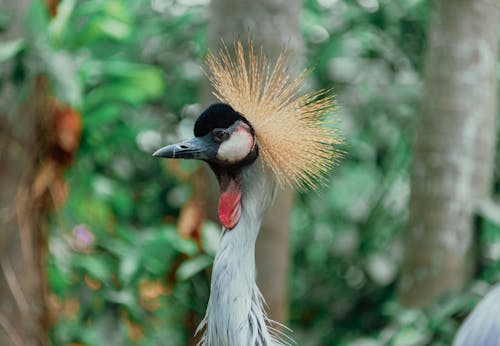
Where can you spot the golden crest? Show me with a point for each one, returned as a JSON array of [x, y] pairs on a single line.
[[295, 138]]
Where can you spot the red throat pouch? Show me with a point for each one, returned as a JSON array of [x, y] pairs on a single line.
[[230, 206]]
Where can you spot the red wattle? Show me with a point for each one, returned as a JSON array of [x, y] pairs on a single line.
[[230, 206]]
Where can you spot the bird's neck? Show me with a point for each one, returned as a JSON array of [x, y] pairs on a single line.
[[235, 313]]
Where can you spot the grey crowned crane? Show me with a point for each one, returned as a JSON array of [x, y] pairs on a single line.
[[482, 326], [263, 133]]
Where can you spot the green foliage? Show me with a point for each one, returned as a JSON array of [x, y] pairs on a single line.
[[118, 274], [10, 49], [118, 271], [346, 241]]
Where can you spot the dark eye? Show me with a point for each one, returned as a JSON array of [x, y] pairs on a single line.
[[220, 135]]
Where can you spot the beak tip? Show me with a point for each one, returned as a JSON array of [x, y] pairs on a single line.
[[162, 152], [189, 149]]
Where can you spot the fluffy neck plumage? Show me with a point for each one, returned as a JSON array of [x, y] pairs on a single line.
[[235, 313]]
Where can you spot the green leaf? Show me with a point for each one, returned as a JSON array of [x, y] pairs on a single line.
[[114, 92], [59, 26], [122, 200], [113, 28], [112, 8], [62, 69], [210, 237], [193, 266], [122, 81], [107, 19], [5, 19], [184, 246], [123, 297], [141, 75], [99, 116], [129, 266], [411, 336], [10, 49], [59, 283], [37, 21], [97, 266], [100, 28]]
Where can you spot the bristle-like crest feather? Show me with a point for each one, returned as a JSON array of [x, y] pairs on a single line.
[[295, 138]]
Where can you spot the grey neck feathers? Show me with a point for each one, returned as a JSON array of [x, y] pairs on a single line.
[[235, 314]]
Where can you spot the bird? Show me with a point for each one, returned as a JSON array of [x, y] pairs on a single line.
[[264, 133], [482, 326]]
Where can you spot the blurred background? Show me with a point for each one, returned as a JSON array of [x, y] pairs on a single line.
[[102, 244]]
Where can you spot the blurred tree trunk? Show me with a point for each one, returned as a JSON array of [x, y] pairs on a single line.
[[38, 139], [454, 148], [21, 282]]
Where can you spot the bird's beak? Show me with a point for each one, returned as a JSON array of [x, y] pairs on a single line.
[[194, 148]]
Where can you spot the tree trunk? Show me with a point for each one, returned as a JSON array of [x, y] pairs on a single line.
[[273, 25], [454, 148], [21, 293], [38, 139]]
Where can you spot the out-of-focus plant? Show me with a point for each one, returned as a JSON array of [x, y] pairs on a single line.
[[117, 270], [347, 240]]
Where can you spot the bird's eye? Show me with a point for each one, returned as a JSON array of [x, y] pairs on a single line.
[[220, 135]]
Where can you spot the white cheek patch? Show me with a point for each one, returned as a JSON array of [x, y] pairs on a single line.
[[237, 147]]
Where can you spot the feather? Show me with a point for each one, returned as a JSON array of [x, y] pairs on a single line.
[[235, 311], [295, 140]]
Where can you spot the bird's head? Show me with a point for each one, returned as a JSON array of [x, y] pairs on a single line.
[[226, 141], [222, 137], [269, 117]]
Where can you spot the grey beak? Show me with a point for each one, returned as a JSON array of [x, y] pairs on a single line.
[[194, 148]]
